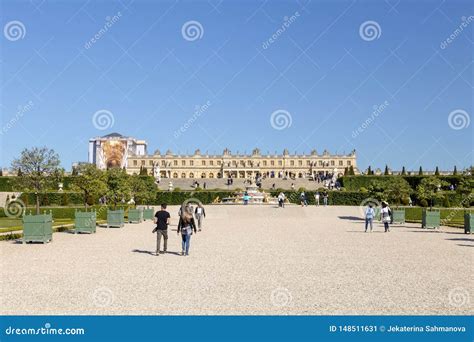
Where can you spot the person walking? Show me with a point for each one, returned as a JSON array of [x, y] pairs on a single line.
[[281, 200], [304, 202], [186, 226], [200, 213], [316, 198], [385, 215], [325, 199], [369, 217], [162, 220]]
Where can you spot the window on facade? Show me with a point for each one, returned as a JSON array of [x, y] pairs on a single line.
[[211, 162], [135, 163], [175, 163], [203, 175], [150, 163], [320, 163], [300, 162], [332, 163], [292, 163], [163, 163], [143, 163], [308, 163], [349, 163], [175, 175], [191, 175], [183, 175], [341, 163], [272, 163], [264, 163], [191, 163], [211, 175], [204, 162], [183, 162], [218, 162], [280, 163]]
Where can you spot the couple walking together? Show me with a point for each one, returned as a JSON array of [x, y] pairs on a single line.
[[186, 226]]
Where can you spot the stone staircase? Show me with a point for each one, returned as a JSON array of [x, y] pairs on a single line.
[[220, 183]]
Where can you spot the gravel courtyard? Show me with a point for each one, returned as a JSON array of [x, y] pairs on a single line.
[[248, 260]]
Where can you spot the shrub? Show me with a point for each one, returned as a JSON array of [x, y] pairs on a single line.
[[423, 203]]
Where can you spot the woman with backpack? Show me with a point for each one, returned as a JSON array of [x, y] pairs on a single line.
[[385, 215], [186, 226]]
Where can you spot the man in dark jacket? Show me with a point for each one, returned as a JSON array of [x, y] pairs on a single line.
[[162, 220]]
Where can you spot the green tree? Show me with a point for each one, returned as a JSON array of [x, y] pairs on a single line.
[[403, 171], [143, 189], [465, 188], [351, 171], [376, 189], [346, 171], [369, 171], [38, 170], [143, 171], [118, 186], [455, 171], [386, 173], [397, 190], [420, 172], [430, 188], [436, 171], [90, 181]]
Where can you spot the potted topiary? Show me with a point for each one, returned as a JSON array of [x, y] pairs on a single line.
[[429, 189]]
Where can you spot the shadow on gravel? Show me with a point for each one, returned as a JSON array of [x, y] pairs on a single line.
[[142, 251], [462, 239], [153, 253], [351, 218], [465, 245]]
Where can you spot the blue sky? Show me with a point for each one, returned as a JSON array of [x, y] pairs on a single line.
[[321, 72]]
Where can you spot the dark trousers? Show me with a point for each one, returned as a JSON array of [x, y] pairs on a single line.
[[160, 233]]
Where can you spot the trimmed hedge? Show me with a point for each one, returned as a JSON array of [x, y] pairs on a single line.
[[354, 183], [69, 212], [450, 217]]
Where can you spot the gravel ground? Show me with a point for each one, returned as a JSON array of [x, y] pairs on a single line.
[[248, 260]]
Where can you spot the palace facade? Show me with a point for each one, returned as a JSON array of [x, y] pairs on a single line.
[[198, 165], [116, 150]]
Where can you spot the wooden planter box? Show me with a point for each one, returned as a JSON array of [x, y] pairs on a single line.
[[38, 228], [398, 215], [115, 218], [430, 218], [85, 222], [135, 215], [148, 214], [468, 223]]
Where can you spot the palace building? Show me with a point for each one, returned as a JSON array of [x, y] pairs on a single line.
[[115, 150]]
